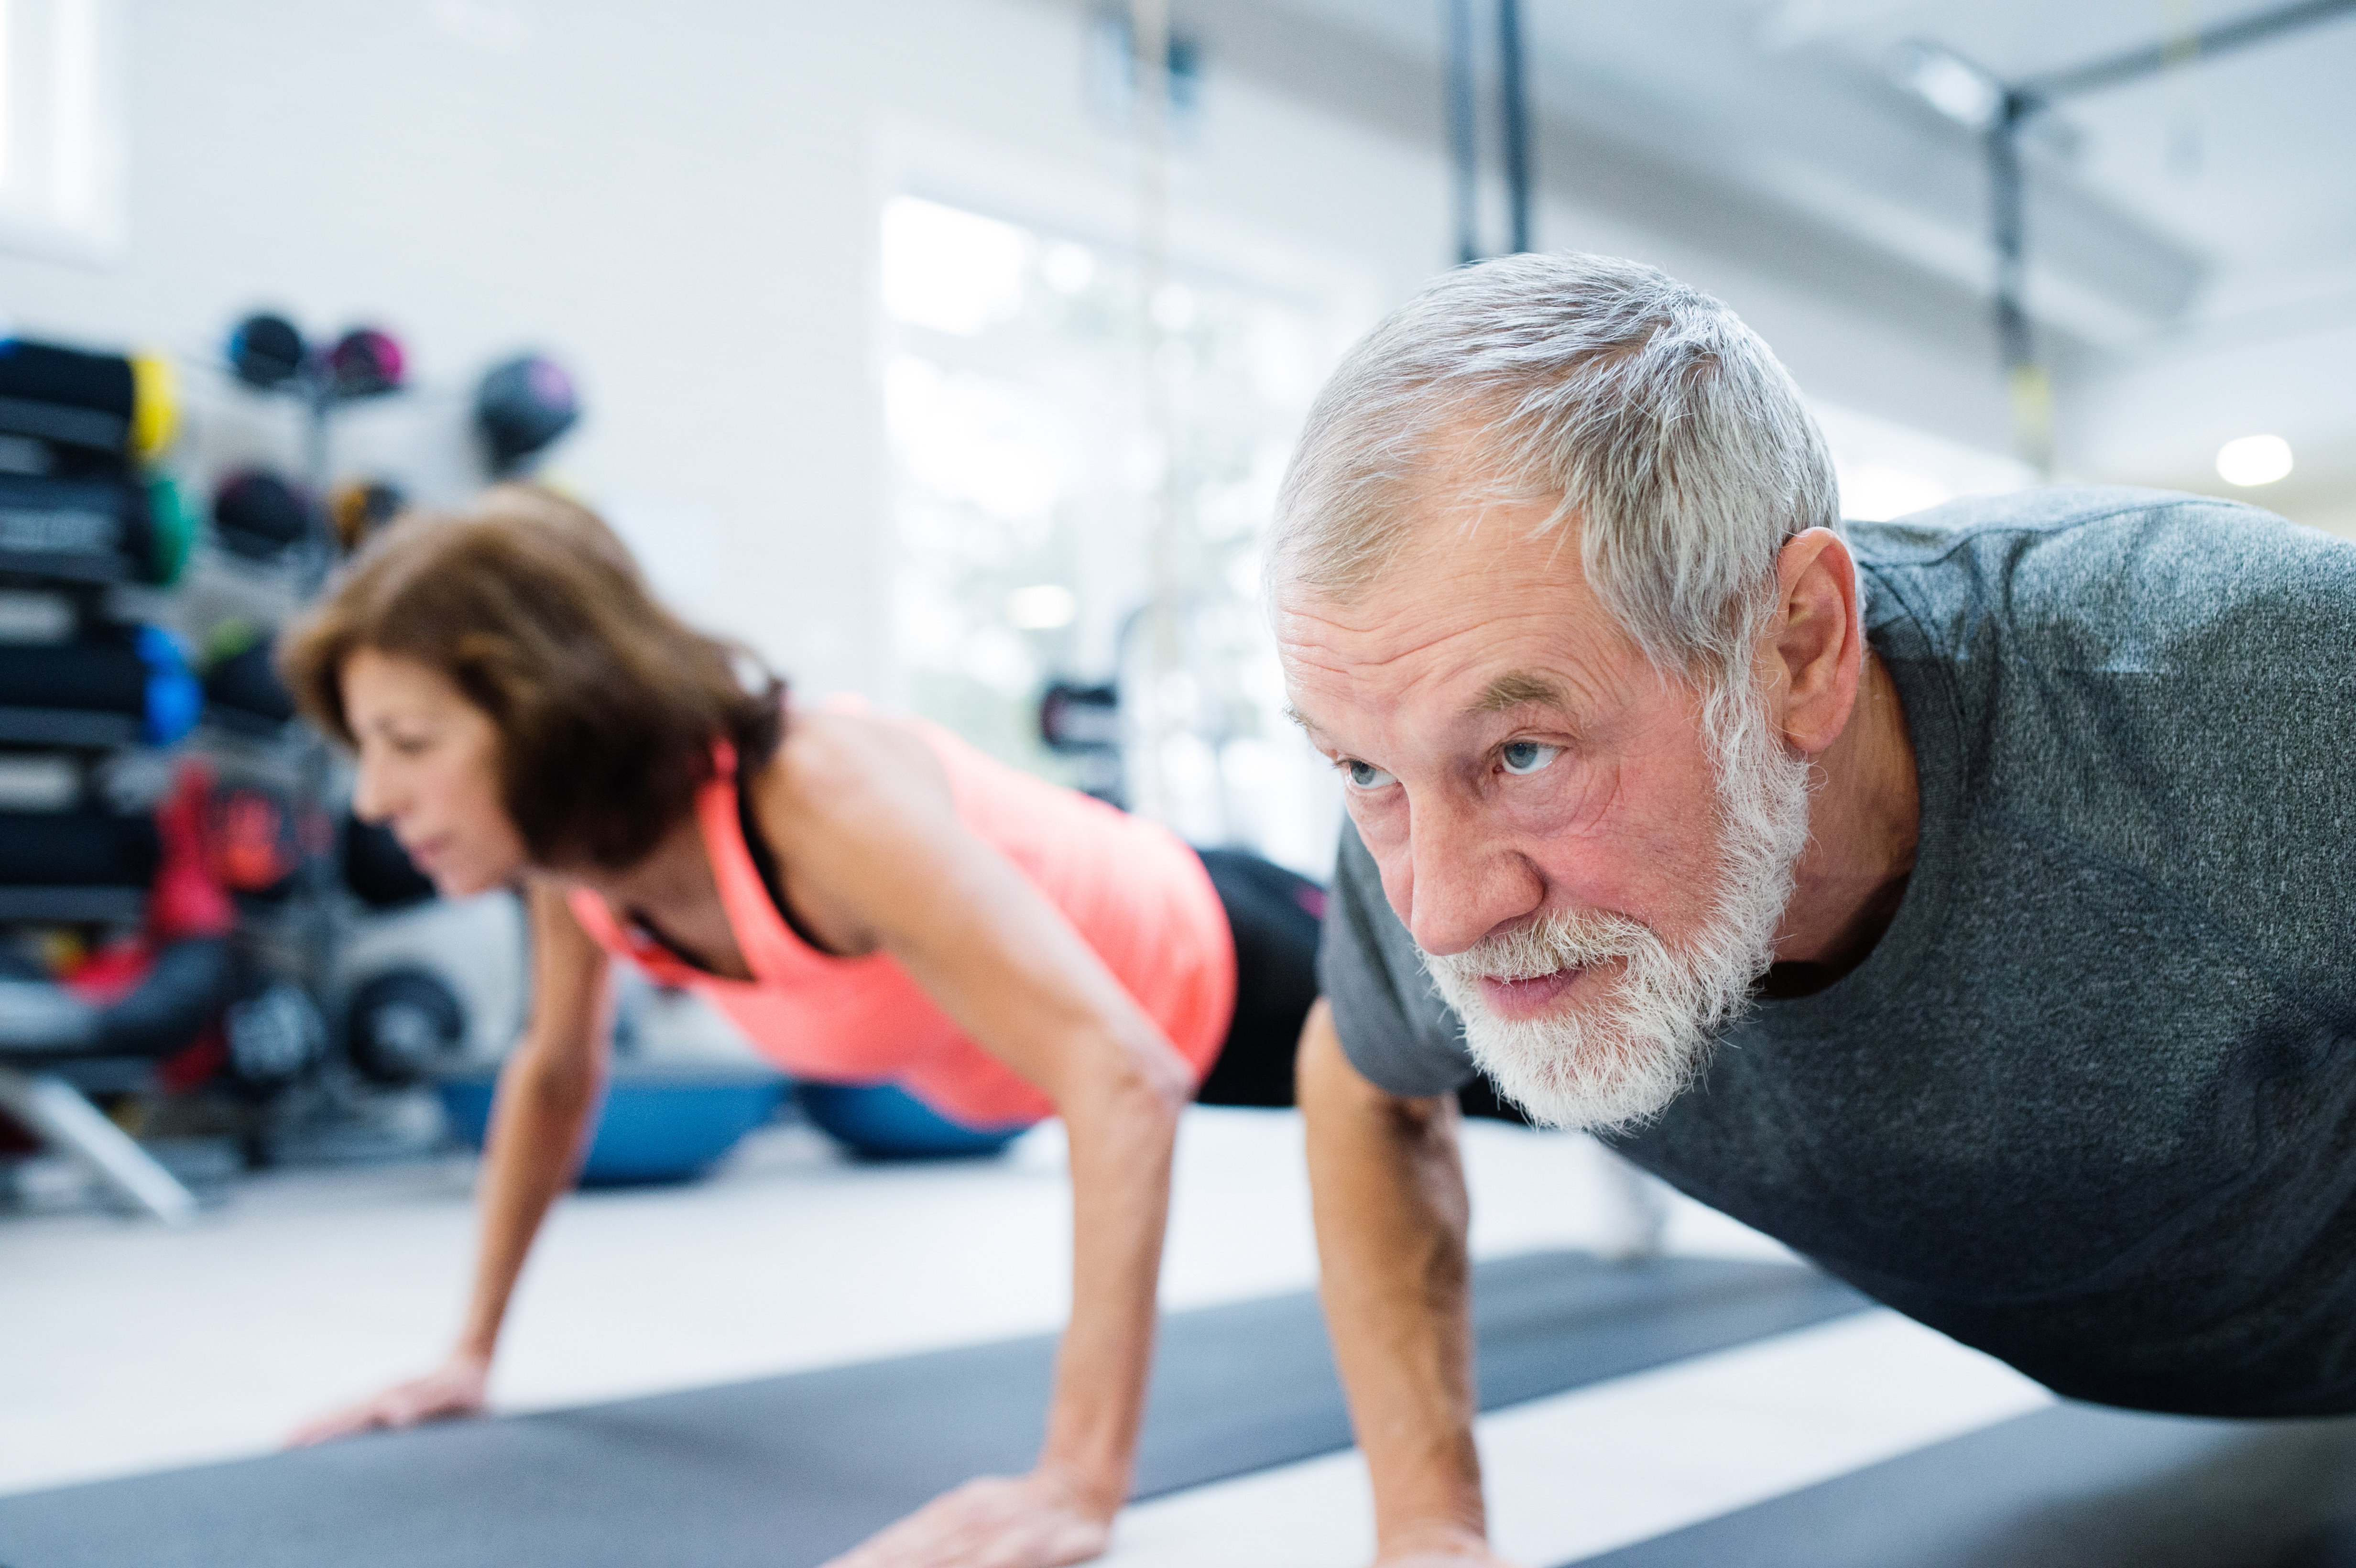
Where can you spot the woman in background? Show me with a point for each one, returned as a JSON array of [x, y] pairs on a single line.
[[869, 897]]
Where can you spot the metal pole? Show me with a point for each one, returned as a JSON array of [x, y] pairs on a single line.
[[2032, 399], [1148, 23], [1463, 140], [2172, 49], [1514, 110]]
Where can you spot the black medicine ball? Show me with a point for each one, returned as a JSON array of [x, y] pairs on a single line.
[[524, 405]]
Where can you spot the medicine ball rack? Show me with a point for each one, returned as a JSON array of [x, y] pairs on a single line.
[[101, 715]]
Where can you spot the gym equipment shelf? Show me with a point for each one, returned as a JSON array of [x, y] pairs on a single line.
[[68, 729], [71, 906]]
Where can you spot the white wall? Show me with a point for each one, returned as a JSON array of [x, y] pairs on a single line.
[[679, 202]]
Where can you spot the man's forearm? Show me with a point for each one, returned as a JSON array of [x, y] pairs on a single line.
[[1391, 1217]]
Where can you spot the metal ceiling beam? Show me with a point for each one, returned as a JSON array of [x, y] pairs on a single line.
[[2053, 86]]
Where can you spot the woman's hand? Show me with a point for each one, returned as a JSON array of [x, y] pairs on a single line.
[[457, 1387], [1037, 1521]]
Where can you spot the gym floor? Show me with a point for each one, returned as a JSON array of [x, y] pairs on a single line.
[[165, 1347]]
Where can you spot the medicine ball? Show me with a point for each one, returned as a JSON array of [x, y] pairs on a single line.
[[245, 692], [266, 351], [255, 840], [358, 508], [402, 1023], [524, 405], [257, 514], [378, 870], [365, 363]]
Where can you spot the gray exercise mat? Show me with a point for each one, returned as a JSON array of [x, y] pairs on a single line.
[[786, 1472], [2068, 1486]]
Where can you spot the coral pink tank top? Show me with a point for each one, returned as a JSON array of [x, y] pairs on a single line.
[[1134, 892]]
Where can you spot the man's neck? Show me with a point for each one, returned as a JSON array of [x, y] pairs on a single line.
[[1863, 823]]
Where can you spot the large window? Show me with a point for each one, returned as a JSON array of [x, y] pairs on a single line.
[[60, 128], [1082, 473]]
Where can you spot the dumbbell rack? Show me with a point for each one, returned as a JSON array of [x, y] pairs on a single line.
[[47, 563]]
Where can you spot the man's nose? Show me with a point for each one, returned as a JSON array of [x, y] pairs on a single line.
[[1469, 879]]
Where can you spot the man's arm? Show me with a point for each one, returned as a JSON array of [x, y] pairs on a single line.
[[1391, 1216]]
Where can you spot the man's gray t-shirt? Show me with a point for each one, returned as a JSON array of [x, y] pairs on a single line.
[[2090, 1104]]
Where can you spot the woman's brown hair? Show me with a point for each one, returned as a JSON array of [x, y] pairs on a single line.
[[608, 705]]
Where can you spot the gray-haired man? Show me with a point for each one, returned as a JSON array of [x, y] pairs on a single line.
[[2014, 843]]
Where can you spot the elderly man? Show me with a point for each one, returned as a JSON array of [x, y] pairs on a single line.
[[1969, 901]]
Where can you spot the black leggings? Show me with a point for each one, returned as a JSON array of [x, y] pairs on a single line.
[[1275, 916]]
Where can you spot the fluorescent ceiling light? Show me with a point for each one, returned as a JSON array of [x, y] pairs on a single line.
[[1043, 607], [1966, 94], [2253, 460]]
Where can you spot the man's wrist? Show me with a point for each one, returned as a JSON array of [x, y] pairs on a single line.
[[1430, 1538], [1095, 1488]]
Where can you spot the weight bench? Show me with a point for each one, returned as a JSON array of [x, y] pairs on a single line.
[[40, 1026]]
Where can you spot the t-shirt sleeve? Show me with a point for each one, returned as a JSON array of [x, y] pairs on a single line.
[[1394, 1029]]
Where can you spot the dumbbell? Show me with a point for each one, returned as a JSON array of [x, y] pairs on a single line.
[[522, 406], [137, 672], [400, 1025]]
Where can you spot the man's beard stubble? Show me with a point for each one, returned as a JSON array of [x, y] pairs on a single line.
[[1616, 1063]]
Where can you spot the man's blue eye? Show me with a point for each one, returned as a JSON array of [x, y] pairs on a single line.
[[1528, 756], [1365, 776]]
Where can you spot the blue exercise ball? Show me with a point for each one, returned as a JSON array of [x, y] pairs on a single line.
[[878, 1121]]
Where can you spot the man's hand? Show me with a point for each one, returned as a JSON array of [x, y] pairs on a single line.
[[1000, 1521], [457, 1387]]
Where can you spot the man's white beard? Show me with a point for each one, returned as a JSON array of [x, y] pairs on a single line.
[[1616, 1060]]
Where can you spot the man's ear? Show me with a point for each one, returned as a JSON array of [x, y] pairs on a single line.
[[1813, 653]]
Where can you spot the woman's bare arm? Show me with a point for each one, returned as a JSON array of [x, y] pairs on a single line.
[[1004, 964], [546, 1093]]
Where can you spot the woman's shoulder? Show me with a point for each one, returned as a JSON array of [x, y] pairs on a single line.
[[838, 767]]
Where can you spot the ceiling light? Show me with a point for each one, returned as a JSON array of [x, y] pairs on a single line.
[[1043, 607], [2253, 460], [1966, 94]]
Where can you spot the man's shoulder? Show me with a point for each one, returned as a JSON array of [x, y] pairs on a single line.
[[2156, 686], [2109, 578]]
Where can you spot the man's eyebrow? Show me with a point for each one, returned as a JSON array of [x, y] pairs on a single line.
[[1519, 689], [1299, 717]]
